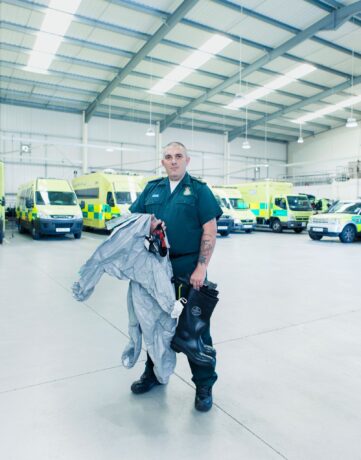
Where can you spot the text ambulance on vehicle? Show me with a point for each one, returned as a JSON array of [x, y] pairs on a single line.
[[231, 201], [275, 206], [48, 207], [2, 203], [343, 220], [105, 195]]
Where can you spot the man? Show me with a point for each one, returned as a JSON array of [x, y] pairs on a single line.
[[188, 210]]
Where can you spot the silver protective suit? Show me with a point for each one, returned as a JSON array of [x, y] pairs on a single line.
[[151, 296]]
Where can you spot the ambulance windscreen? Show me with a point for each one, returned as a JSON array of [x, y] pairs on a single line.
[[238, 203], [299, 203], [123, 197], [45, 197]]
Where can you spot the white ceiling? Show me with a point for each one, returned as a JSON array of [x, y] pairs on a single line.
[[105, 36]]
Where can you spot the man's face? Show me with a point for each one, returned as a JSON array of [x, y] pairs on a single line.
[[175, 162]]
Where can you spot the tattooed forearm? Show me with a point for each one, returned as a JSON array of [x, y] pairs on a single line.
[[208, 242], [206, 249]]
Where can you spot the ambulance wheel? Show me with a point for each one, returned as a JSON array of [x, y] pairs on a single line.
[[298, 230], [224, 233], [348, 234], [276, 226], [77, 236], [35, 233], [315, 236]]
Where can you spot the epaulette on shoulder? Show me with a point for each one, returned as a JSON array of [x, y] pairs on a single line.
[[199, 180]]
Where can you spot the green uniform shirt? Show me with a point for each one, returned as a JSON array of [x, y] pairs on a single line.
[[184, 212]]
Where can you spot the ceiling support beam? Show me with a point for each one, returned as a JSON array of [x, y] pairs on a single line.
[[332, 20], [145, 37], [299, 105], [332, 5], [170, 23], [283, 26]]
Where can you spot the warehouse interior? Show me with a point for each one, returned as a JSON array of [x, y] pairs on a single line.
[[260, 92]]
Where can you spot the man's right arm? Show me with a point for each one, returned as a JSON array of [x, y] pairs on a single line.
[[139, 206], [139, 203]]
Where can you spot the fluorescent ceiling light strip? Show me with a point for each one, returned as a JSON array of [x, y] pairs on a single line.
[[271, 86], [56, 22], [330, 109], [192, 62]]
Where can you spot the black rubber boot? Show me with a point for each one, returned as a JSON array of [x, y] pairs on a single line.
[[204, 400], [146, 382], [192, 323], [209, 350]]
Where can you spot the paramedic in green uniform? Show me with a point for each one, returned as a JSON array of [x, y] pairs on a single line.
[[188, 210]]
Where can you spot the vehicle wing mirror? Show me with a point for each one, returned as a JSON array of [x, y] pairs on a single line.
[[111, 202], [29, 203], [3, 201], [82, 204]]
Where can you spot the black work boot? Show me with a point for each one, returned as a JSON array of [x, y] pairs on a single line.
[[191, 324], [146, 382], [203, 401]]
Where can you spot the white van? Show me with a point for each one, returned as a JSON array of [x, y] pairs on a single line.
[[48, 207]]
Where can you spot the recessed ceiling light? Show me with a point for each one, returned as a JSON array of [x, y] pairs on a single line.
[[192, 62], [57, 19], [273, 85], [329, 109]]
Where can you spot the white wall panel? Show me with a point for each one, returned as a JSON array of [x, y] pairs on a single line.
[[349, 190], [326, 152], [250, 164], [56, 148]]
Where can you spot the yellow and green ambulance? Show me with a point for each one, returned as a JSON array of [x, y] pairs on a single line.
[[104, 195], [343, 220], [275, 206], [2, 203], [231, 201], [322, 205], [48, 207]]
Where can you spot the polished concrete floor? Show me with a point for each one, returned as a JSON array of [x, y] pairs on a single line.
[[287, 331]]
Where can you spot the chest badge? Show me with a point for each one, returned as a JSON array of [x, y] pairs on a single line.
[[187, 191]]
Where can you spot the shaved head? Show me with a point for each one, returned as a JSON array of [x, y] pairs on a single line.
[[175, 144], [175, 160]]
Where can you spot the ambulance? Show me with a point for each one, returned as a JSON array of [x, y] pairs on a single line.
[[2, 203], [343, 220], [231, 202], [322, 205], [318, 205], [275, 206], [105, 195], [48, 207]]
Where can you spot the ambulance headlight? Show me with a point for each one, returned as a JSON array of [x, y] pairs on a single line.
[[78, 215], [43, 215]]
